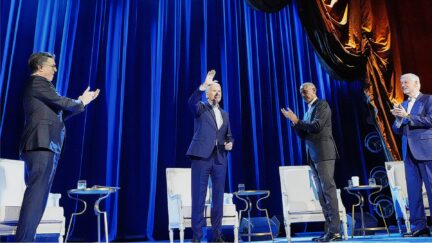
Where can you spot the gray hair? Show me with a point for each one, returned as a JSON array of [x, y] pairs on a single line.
[[208, 87], [307, 84], [410, 76]]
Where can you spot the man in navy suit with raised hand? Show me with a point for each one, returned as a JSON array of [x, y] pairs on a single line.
[[42, 139], [208, 152], [414, 123]]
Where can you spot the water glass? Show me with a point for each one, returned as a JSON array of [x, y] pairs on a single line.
[[372, 182], [355, 180], [241, 187], [350, 183], [82, 184]]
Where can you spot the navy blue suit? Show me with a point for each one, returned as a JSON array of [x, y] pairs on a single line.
[[40, 147], [417, 153], [209, 158]]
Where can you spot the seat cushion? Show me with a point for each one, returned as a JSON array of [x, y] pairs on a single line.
[[10, 214], [229, 210], [304, 207]]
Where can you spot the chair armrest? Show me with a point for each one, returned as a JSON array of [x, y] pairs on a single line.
[[174, 197], [54, 200], [228, 198], [285, 203]]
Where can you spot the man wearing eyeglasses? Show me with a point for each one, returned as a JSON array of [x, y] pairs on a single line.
[[42, 139]]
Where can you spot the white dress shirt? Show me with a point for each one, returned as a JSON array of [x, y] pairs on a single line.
[[218, 115]]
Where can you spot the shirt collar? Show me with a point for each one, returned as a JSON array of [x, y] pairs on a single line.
[[312, 102], [414, 98], [211, 105]]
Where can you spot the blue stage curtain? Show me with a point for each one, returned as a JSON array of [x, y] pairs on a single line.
[[147, 57]]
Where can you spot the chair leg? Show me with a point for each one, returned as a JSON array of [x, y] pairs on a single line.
[[399, 223], [288, 232], [106, 227], [408, 225], [171, 235], [345, 227], [181, 235], [235, 234]]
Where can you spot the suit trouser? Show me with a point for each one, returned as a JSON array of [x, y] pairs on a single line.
[[40, 168], [323, 173], [417, 172], [215, 166]]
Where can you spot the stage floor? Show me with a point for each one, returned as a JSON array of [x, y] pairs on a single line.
[[395, 237]]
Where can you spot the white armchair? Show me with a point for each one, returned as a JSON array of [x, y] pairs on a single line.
[[180, 204], [300, 200], [397, 183], [12, 187]]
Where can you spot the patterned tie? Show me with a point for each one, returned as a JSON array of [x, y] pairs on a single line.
[[411, 101]]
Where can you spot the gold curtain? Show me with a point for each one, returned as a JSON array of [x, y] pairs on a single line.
[[353, 40]]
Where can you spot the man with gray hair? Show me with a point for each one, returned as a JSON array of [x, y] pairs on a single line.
[[414, 123], [316, 130]]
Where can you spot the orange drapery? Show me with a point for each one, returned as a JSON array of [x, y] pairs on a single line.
[[353, 40]]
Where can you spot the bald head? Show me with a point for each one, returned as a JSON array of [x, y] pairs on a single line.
[[214, 93], [308, 92]]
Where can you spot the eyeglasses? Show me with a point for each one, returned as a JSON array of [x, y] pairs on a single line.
[[53, 66]]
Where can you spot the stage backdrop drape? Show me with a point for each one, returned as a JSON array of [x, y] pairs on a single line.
[[353, 40], [410, 25], [147, 57]]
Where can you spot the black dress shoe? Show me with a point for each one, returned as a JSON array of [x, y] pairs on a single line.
[[317, 238], [330, 237], [425, 232]]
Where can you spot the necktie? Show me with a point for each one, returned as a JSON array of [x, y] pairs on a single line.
[[410, 104]]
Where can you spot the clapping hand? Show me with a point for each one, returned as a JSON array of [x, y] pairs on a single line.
[[399, 112], [288, 113], [88, 96]]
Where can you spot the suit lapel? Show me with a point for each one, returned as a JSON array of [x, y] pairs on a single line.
[[210, 108], [312, 111], [417, 105]]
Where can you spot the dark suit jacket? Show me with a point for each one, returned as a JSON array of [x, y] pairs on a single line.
[[206, 134], [317, 132], [417, 131], [43, 108]]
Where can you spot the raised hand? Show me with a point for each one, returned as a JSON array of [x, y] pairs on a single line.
[[88, 96], [209, 79]]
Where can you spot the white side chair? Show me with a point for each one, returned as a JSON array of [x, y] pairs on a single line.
[[12, 187], [300, 199], [398, 187], [180, 204]]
